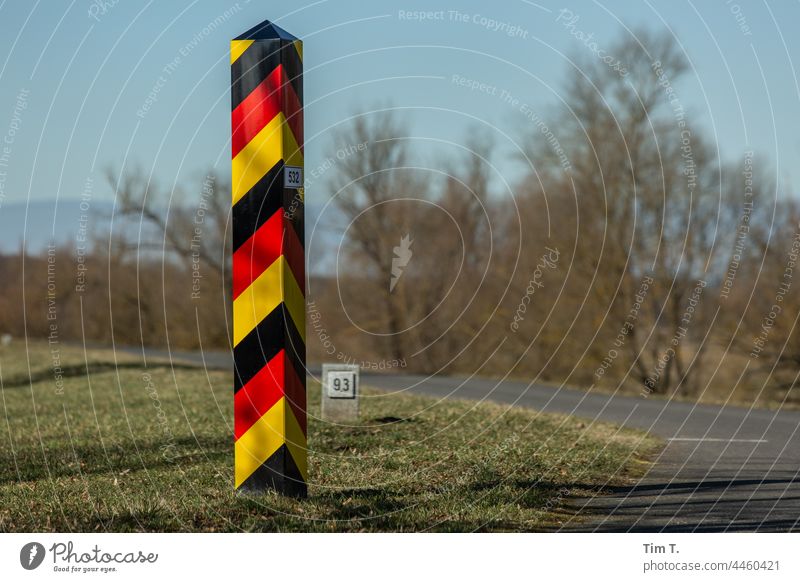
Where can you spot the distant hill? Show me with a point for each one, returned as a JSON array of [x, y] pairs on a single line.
[[41, 221]]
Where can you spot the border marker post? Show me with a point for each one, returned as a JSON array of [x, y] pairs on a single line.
[[270, 450]]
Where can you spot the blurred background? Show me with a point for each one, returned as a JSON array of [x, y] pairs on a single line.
[[591, 194]]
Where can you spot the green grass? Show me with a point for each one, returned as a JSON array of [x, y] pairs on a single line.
[[109, 454]]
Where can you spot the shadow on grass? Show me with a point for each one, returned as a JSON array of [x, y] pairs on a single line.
[[75, 460], [391, 420], [378, 510], [80, 370]]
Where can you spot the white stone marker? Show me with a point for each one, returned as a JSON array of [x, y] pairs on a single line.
[[340, 392]]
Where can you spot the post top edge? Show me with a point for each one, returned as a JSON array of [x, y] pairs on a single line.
[[266, 31]]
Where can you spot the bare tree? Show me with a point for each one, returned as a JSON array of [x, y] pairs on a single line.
[[170, 221], [374, 190], [644, 187]]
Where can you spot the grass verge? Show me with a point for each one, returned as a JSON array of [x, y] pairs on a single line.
[[150, 449]]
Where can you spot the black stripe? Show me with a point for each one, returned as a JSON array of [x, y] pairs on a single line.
[[261, 202], [266, 30], [293, 65], [274, 333], [280, 473], [256, 64], [257, 206]]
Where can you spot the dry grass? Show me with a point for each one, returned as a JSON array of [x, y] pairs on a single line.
[[99, 456]]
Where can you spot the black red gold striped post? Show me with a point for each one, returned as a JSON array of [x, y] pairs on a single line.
[[268, 261]]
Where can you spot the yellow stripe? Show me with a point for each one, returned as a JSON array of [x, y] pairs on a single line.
[[277, 427], [274, 286], [272, 144], [293, 155], [259, 443], [298, 45], [238, 47], [296, 443]]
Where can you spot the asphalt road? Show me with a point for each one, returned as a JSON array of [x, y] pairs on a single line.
[[723, 468]]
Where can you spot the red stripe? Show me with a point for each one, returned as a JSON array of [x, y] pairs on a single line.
[[256, 111], [274, 238], [278, 378], [260, 394], [273, 95]]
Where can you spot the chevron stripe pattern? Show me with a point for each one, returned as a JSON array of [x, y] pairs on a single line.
[[270, 450]]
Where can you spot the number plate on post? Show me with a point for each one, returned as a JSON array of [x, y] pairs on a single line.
[[292, 177], [342, 384], [340, 392]]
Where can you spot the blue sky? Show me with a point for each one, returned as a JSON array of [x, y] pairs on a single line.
[[88, 66]]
